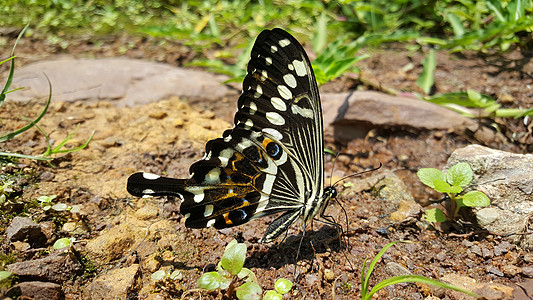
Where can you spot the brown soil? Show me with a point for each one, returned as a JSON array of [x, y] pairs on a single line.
[[166, 137]]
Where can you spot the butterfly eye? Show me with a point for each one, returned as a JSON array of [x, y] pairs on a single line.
[[273, 150]]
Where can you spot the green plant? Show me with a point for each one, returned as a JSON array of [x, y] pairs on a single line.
[[31, 123], [230, 269], [365, 278], [470, 103], [46, 204], [452, 183]]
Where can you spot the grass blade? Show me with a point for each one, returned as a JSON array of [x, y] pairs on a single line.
[[417, 278], [32, 123], [425, 80]]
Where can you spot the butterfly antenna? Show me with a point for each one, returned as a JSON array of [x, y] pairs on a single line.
[[359, 173], [333, 168]]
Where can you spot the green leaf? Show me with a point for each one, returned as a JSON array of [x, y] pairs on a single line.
[[457, 25], [176, 275], [233, 258], [158, 275], [320, 38], [428, 176], [434, 215], [460, 174], [209, 281], [475, 199], [425, 80], [62, 243], [283, 286], [365, 275], [416, 278], [272, 295], [247, 275], [443, 187], [5, 279], [249, 291], [32, 123]]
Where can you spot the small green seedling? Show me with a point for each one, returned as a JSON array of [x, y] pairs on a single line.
[[452, 183], [230, 268], [365, 278], [63, 243]]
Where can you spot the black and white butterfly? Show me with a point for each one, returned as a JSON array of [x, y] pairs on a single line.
[[272, 161]]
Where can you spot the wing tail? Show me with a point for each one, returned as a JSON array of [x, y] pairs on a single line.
[[146, 184]]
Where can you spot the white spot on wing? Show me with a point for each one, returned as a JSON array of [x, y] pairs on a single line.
[[253, 108], [249, 124], [278, 103], [212, 176], [273, 49], [210, 223], [208, 210], [258, 91], [227, 139], [304, 112], [290, 80], [243, 145], [275, 118], [284, 42], [187, 215], [199, 197], [284, 92], [268, 61], [273, 132], [148, 191], [264, 75], [299, 66], [150, 176], [225, 155], [291, 67]]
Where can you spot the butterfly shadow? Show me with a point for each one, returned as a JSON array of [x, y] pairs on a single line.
[[293, 248]]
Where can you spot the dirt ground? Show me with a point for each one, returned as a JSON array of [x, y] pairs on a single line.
[[166, 137]]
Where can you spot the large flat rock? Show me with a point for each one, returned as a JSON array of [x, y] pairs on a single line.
[[125, 82]]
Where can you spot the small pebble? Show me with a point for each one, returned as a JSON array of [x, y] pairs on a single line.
[[487, 253], [495, 271], [527, 271], [511, 270], [502, 248], [467, 243], [476, 250], [158, 115], [329, 275]]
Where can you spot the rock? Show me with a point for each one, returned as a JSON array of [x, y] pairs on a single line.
[[122, 81], [112, 244], [507, 180], [116, 284], [36, 290], [57, 267], [361, 111], [502, 248], [22, 228], [329, 275], [408, 210], [495, 271], [147, 212], [488, 290], [395, 269], [511, 270], [495, 291], [527, 271]]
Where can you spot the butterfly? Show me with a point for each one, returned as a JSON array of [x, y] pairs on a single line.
[[271, 161]]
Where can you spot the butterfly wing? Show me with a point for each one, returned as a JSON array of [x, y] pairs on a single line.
[[271, 161]]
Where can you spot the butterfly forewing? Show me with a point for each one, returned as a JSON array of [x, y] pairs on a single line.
[[271, 161]]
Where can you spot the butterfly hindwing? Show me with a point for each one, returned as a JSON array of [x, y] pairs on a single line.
[[271, 161]]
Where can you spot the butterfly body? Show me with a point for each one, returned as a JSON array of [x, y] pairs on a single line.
[[271, 161]]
